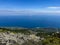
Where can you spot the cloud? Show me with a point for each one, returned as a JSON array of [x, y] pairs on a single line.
[[53, 7], [50, 10], [20, 12], [30, 12]]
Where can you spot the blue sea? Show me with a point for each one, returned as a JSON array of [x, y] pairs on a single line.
[[30, 21]]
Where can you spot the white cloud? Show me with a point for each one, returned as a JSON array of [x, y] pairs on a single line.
[[21, 12], [53, 7], [31, 12]]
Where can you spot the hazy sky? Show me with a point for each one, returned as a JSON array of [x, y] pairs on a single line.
[[30, 6]]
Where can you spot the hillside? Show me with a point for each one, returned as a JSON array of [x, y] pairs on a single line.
[[29, 36]]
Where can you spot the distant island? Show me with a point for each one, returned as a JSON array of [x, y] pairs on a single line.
[[29, 36]]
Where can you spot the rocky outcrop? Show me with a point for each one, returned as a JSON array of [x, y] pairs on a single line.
[[10, 38]]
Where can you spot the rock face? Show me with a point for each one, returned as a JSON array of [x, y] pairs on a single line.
[[10, 38]]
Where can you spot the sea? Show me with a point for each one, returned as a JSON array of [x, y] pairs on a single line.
[[30, 21]]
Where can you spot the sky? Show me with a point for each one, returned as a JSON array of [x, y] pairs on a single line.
[[29, 7]]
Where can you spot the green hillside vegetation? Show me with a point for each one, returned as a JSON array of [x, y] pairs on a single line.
[[50, 38]]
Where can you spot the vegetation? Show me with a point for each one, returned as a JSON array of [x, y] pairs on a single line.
[[50, 38]]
